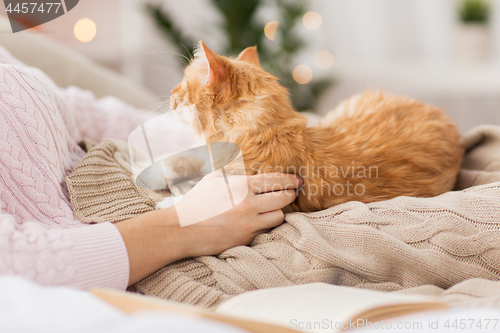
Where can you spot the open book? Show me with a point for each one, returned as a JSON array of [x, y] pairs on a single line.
[[315, 307], [321, 307]]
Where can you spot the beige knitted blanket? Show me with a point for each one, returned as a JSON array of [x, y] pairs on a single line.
[[447, 246]]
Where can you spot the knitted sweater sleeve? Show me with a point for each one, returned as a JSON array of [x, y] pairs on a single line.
[[110, 117], [40, 237], [102, 118], [82, 257]]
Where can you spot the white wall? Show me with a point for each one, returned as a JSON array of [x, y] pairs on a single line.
[[388, 30]]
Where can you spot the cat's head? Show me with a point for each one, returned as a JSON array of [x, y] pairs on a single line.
[[230, 93]]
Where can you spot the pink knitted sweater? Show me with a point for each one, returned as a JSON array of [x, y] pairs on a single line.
[[40, 125]]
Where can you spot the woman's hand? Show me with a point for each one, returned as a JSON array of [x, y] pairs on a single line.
[[259, 211], [156, 239]]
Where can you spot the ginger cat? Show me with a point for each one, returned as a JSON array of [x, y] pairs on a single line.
[[371, 147]]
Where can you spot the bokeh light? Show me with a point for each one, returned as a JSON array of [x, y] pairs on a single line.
[[270, 29], [85, 30], [302, 74], [312, 20], [324, 59]]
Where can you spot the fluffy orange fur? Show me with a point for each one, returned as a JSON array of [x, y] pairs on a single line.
[[371, 147]]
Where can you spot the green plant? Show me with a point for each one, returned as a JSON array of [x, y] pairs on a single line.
[[474, 11], [242, 29]]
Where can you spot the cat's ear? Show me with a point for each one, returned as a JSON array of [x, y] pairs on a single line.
[[217, 70], [250, 56]]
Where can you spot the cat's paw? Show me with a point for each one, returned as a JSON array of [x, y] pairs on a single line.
[[185, 167], [170, 175]]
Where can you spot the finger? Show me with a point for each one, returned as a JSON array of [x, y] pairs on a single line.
[[270, 220], [270, 201], [268, 182]]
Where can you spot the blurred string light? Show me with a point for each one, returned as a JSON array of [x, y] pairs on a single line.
[[270, 29], [312, 20], [85, 30], [302, 74], [324, 59]]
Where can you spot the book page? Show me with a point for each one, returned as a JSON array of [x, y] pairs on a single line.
[[314, 307], [135, 303]]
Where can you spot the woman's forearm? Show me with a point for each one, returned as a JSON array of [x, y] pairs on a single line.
[[156, 239], [153, 240]]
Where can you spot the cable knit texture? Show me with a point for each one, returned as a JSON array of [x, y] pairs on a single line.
[[446, 246], [40, 125]]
